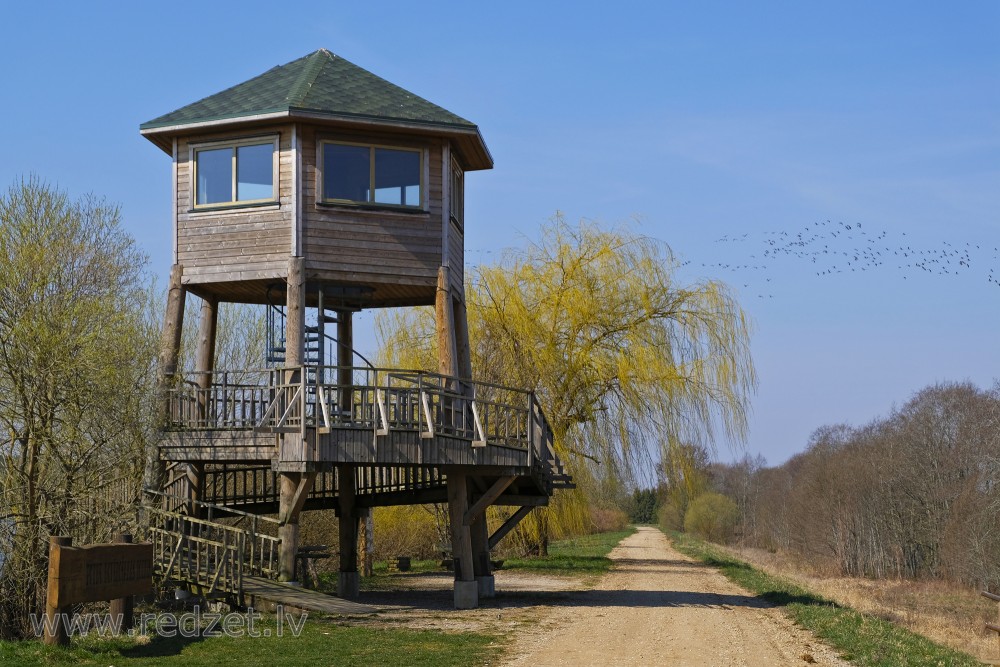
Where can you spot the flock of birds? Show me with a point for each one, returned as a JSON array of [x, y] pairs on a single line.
[[833, 248]]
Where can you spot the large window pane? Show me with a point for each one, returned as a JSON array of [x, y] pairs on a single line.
[[215, 176], [346, 172], [255, 172], [397, 177]]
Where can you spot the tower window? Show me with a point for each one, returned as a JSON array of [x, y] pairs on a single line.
[[235, 172], [372, 174]]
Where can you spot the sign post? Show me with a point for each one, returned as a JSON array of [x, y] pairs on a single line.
[[56, 631], [96, 572]]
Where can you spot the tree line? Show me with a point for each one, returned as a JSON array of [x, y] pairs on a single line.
[[913, 494]]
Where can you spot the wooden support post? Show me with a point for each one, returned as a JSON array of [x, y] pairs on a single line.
[[56, 618], [291, 446], [466, 589], [295, 315], [195, 474], [122, 608], [462, 340], [345, 359], [348, 581], [294, 491], [204, 365], [288, 528], [173, 324], [480, 536], [170, 344], [445, 326], [366, 542], [207, 325]]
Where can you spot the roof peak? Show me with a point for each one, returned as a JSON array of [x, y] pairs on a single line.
[[325, 88], [320, 82]]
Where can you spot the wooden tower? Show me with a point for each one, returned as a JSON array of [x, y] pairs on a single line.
[[319, 189]]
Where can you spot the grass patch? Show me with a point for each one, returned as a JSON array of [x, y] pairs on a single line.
[[322, 642], [579, 555], [863, 639]]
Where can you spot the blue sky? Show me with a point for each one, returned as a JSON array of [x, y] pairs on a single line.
[[703, 121]]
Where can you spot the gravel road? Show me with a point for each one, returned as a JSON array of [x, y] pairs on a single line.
[[659, 607]]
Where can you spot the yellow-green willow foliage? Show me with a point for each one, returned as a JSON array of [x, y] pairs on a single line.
[[628, 362]]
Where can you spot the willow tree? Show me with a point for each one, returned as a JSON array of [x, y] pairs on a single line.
[[629, 362]]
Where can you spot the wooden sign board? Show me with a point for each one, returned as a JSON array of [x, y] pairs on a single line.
[[99, 572]]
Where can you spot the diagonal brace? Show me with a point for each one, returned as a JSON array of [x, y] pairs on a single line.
[[509, 524], [486, 500], [302, 490]]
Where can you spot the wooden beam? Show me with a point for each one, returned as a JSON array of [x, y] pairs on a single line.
[[487, 499], [509, 525], [522, 500]]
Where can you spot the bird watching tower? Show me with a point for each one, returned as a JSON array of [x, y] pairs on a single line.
[[318, 189]]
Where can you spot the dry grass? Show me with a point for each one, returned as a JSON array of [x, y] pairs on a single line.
[[946, 613]]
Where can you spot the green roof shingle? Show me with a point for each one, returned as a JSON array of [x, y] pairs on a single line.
[[320, 83]]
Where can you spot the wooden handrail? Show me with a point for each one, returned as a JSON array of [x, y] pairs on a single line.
[[432, 404]]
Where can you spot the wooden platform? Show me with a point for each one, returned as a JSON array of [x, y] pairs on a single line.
[[302, 598]]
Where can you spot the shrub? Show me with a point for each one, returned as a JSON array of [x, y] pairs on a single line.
[[607, 520], [712, 516], [409, 530], [669, 517]]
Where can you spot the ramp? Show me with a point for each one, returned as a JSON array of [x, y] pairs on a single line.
[[302, 598]]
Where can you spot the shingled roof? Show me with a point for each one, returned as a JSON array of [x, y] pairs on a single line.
[[321, 85]]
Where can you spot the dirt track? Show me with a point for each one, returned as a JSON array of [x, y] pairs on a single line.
[[659, 607]]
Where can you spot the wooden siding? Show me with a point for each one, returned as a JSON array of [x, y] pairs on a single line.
[[380, 247], [456, 256], [238, 243]]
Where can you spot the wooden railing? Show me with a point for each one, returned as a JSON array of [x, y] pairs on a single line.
[[210, 554], [380, 400], [993, 627], [386, 479], [233, 485]]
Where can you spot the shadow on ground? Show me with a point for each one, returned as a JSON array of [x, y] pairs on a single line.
[[435, 594]]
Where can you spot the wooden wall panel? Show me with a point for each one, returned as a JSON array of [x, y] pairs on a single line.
[[367, 245], [456, 257], [227, 244]]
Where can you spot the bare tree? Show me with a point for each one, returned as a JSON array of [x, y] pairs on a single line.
[[76, 351]]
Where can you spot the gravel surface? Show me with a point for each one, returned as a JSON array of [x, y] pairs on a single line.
[[659, 607]]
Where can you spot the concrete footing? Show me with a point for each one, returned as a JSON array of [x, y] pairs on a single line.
[[487, 586], [466, 594], [348, 585]]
